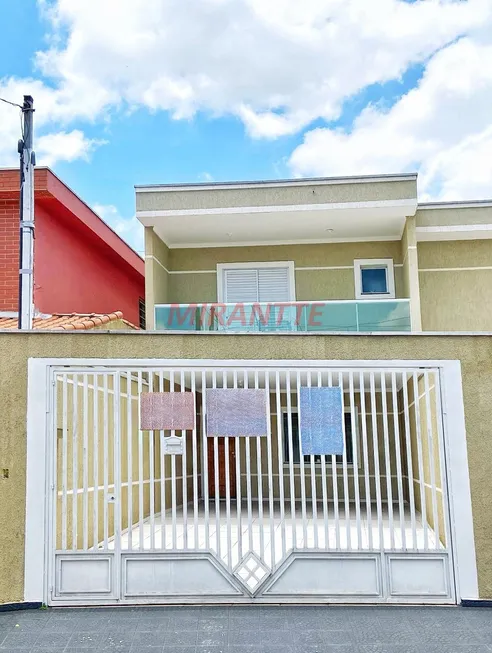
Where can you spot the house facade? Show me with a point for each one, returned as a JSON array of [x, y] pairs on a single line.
[[307, 419], [80, 264], [355, 254]]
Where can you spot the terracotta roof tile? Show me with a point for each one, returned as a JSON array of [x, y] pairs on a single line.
[[71, 322]]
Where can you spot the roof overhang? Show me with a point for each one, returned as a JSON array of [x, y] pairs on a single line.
[[50, 192], [279, 212]]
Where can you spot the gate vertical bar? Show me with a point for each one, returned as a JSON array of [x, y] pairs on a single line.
[[227, 488], [151, 470], [259, 479], [314, 498], [377, 474], [346, 494], [173, 480], [95, 460], [271, 486], [280, 444], [64, 483], [117, 476], [75, 445], [129, 455], [399, 472], [163, 474], [248, 479], [238, 485], [105, 460], [432, 470], [365, 454], [302, 471], [205, 461], [85, 464], [389, 490], [291, 460], [324, 489], [140, 473], [195, 464], [216, 480], [423, 501], [334, 480], [355, 460], [408, 444], [442, 461], [184, 474]]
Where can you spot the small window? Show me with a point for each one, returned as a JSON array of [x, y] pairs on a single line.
[[141, 313], [374, 279], [349, 452]]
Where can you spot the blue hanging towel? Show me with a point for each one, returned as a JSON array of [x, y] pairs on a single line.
[[321, 421]]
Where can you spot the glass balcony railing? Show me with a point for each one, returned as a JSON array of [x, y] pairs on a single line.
[[348, 315]]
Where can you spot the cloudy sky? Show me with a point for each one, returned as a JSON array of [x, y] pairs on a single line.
[[157, 91]]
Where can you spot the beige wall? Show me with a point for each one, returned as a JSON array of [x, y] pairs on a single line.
[[156, 274], [410, 274], [194, 278], [454, 298], [282, 195], [475, 354]]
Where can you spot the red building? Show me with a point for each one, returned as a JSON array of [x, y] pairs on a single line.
[[80, 264]]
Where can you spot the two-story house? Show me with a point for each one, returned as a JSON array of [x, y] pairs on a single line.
[[342, 254], [291, 428]]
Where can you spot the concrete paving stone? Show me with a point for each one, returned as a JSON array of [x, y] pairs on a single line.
[[147, 639], [19, 640], [209, 625], [52, 640], [180, 638], [216, 638], [89, 640], [242, 637]]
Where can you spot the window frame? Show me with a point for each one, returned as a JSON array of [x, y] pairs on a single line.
[[307, 463], [222, 267], [364, 263]]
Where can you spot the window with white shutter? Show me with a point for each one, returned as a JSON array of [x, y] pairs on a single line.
[[255, 282]]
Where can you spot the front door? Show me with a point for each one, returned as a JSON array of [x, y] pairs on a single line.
[[223, 478]]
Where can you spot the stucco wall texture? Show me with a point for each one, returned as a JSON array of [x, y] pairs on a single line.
[[281, 195], [475, 353], [193, 277], [456, 285]]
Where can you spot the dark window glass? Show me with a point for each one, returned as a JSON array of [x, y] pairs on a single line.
[[141, 313], [317, 458], [374, 280]]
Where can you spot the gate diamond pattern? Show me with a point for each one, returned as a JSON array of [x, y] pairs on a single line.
[[251, 571]]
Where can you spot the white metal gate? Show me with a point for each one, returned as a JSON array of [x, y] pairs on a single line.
[[179, 516]]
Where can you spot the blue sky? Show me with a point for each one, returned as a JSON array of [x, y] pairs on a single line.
[[179, 97]]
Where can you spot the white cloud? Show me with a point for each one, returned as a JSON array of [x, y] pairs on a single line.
[[129, 229], [64, 146], [277, 65], [52, 144], [443, 127]]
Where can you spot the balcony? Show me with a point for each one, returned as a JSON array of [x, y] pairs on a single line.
[[302, 317]]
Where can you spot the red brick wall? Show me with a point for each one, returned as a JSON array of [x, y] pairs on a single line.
[[9, 254]]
